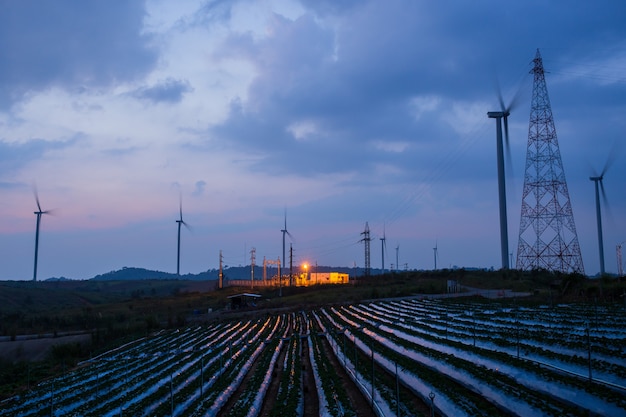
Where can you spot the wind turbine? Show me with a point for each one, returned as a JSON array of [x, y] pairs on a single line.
[[599, 186], [284, 231], [38, 213], [435, 250], [502, 116], [180, 222]]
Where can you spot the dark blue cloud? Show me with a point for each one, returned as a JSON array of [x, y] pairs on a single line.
[[331, 7], [69, 43], [352, 101], [14, 156], [168, 91], [353, 81]]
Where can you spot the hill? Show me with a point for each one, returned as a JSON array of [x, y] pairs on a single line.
[[233, 272], [133, 274]]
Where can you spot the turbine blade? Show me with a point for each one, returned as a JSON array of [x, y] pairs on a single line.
[[499, 93], [506, 130], [605, 203], [613, 153], [36, 197], [516, 98], [507, 145], [180, 206]]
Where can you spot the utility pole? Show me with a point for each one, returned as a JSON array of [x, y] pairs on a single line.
[[290, 265], [252, 264], [280, 280], [383, 245], [221, 276], [397, 262], [620, 264]]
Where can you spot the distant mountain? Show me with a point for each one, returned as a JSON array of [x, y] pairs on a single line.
[[235, 272], [131, 274], [134, 274], [58, 279]]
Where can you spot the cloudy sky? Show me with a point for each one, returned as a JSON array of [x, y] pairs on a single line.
[[337, 112]]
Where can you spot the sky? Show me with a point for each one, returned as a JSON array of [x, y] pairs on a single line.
[[333, 113]]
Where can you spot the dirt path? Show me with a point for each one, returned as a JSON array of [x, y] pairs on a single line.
[[37, 349]]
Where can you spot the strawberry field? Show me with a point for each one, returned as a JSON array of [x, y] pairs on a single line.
[[404, 357]]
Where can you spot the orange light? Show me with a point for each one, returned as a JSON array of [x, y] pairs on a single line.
[[305, 266]]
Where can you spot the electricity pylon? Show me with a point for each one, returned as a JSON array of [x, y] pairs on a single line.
[[547, 233]]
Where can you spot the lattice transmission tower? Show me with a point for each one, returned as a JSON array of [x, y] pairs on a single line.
[[547, 233], [366, 240]]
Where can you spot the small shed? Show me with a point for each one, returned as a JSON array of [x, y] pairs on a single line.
[[243, 300]]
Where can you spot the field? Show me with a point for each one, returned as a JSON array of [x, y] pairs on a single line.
[[462, 357]]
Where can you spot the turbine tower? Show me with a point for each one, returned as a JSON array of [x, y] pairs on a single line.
[[180, 222], [501, 117], [597, 180], [600, 188], [38, 213], [547, 233]]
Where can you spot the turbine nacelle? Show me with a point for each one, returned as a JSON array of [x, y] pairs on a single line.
[[498, 114]]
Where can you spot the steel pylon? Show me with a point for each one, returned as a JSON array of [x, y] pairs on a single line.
[[366, 239], [547, 233]]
